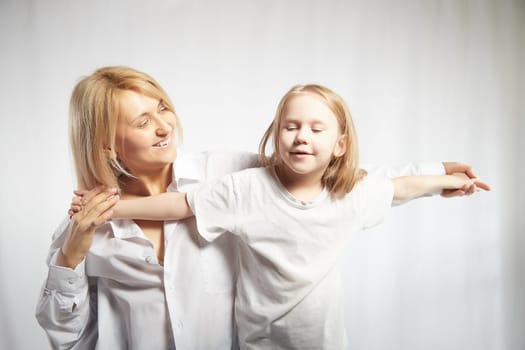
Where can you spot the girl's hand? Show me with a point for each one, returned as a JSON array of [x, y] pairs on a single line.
[[88, 210], [76, 202]]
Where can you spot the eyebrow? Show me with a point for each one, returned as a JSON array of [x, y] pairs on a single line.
[[161, 103], [296, 120]]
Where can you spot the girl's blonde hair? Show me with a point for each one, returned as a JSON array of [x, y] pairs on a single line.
[[343, 172], [93, 115]]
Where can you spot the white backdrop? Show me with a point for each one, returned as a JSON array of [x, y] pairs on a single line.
[[425, 80]]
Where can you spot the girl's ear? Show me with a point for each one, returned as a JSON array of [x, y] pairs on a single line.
[[340, 146]]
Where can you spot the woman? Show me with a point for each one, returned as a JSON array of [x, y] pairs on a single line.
[[127, 284]]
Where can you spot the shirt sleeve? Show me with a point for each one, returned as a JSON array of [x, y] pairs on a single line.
[[223, 163], [214, 205], [374, 199], [64, 307], [409, 169]]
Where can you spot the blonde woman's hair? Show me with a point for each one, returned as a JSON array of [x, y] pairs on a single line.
[[343, 172], [93, 115]]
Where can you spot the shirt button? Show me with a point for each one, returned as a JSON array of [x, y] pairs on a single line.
[[180, 325], [71, 280], [148, 259]]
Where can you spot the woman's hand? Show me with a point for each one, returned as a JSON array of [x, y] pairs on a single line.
[[455, 167], [88, 210], [465, 183]]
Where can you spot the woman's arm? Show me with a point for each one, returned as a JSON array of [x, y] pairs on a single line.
[[163, 206], [409, 187], [65, 308], [416, 169]]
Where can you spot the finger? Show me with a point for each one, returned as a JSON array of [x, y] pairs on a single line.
[[80, 193], [76, 200], [75, 208], [86, 223], [95, 216], [452, 193], [99, 198], [470, 172], [470, 189], [467, 188], [105, 216], [87, 197], [482, 185]]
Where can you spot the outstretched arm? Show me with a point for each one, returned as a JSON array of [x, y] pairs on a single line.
[[160, 207], [416, 169], [409, 187]]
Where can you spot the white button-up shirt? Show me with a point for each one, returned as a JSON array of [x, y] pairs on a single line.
[[119, 297]]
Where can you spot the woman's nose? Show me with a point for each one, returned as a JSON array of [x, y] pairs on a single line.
[[163, 127]]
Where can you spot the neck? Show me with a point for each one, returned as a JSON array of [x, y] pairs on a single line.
[[147, 184], [304, 187]]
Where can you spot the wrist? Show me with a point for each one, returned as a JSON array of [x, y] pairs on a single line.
[[69, 260]]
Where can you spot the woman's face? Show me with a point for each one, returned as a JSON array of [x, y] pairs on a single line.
[[145, 135]]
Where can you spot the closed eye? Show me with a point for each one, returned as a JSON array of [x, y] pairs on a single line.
[[143, 123], [162, 106]]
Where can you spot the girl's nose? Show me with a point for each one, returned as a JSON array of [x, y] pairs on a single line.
[[301, 136]]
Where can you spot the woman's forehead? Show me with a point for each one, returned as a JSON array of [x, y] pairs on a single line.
[[133, 104]]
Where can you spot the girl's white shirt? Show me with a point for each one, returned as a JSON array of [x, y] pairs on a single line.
[[289, 286], [119, 297]]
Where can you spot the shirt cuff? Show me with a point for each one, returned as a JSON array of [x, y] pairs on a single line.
[[65, 279], [190, 198], [432, 169]]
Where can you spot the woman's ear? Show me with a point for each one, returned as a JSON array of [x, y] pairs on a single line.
[[340, 146], [110, 154]]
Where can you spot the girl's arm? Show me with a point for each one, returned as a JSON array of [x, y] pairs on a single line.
[[409, 187], [160, 207]]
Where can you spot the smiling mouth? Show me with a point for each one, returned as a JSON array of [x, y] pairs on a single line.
[[163, 143], [300, 153]]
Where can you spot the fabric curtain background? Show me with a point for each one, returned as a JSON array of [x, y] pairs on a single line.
[[425, 81]]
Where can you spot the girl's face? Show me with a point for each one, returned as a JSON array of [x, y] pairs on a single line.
[[309, 136], [145, 138]]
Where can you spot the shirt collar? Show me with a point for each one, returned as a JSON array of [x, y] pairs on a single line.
[[125, 228], [187, 169]]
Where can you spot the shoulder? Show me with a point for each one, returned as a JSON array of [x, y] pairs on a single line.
[[246, 182], [260, 174], [229, 162], [372, 186], [218, 163], [371, 181]]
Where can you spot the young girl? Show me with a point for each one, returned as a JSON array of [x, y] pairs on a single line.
[[292, 219]]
